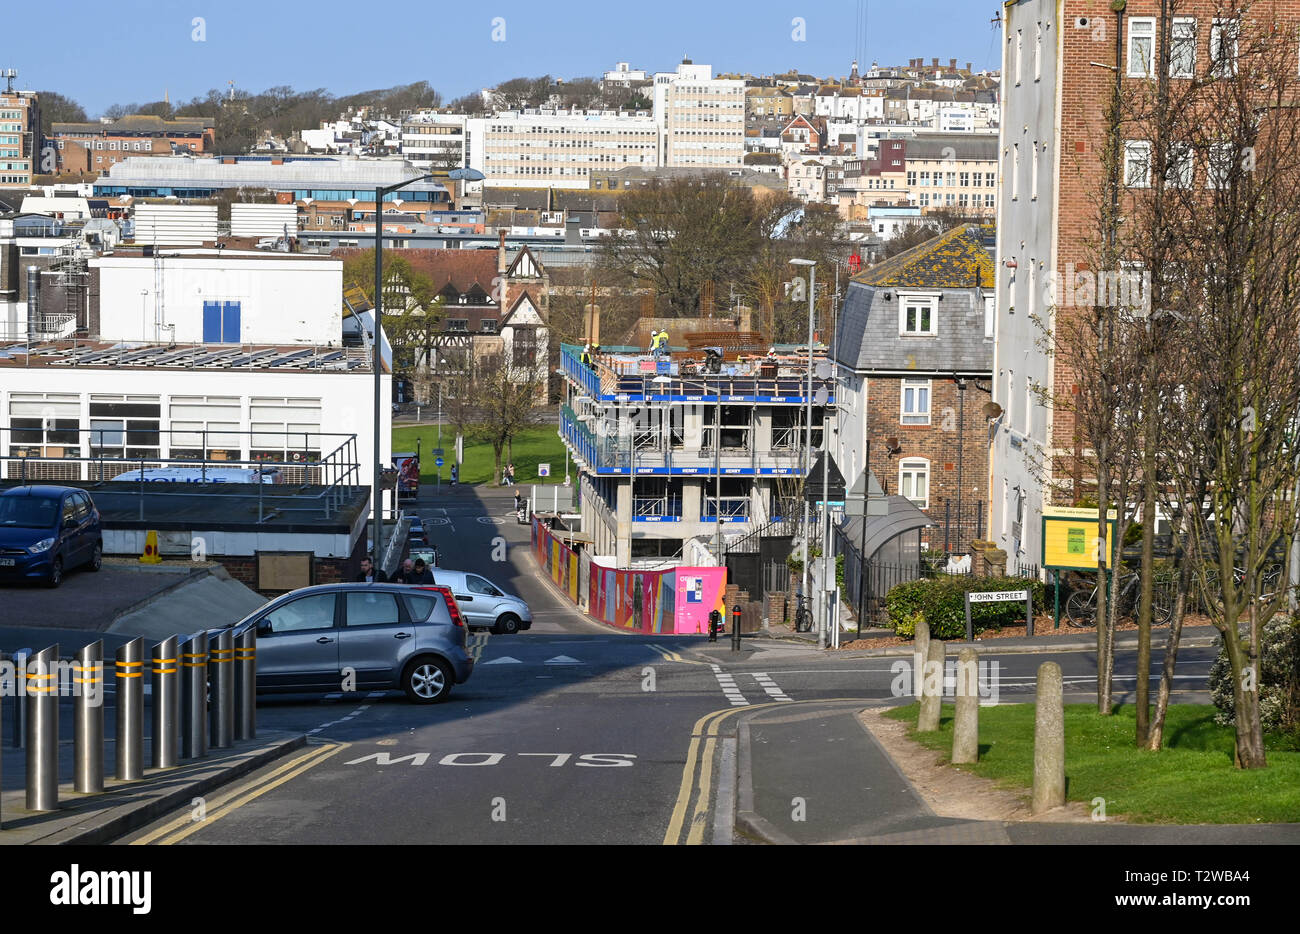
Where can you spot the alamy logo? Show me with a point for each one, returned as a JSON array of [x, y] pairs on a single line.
[[107, 887]]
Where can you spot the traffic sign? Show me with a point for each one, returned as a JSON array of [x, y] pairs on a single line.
[[438, 462]]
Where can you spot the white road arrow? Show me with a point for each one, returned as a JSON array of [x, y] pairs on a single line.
[[504, 660], [562, 660]]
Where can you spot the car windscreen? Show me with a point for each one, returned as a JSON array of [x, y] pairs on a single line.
[[28, 512]]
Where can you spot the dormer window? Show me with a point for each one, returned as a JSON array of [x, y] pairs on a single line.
[[918, 314]]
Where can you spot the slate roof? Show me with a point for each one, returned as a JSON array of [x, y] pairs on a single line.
[[868, 341], [461, 268]]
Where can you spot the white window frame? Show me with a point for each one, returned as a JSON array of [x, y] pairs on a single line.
[[918, 389], [1176, 42], [1137, 153], [989, 316], [1222, 66], [918, 300], [1015, 171], [916, 467], [1020, 52], [1141, 28], [1033, 175], [1038, 53], [1219, 167]]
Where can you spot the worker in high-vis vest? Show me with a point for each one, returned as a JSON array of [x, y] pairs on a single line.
[[586, 356]]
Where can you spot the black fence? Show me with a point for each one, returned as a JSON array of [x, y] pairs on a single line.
[[956, 525]]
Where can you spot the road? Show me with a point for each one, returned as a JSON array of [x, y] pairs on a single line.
[[567, 733]]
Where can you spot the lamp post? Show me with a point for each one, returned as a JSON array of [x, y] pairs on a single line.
[[807, 451], [381, 192]]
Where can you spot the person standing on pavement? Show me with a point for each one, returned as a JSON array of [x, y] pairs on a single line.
[[421, 573], [404, 575], [455, 474], [371, 574]]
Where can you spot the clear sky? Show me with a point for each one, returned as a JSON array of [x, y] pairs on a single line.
[[129, 51]]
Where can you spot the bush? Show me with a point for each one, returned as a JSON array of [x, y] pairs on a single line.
[[941, 602], [1279, 682]]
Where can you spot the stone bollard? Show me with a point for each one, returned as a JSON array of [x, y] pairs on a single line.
[[920, 649], [1049, 741], [928, 721], [966, 723]]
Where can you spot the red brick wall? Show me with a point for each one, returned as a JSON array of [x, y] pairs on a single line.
[[937, 442]]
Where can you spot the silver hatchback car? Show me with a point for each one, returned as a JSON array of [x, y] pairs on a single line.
[[361, 636], [484, 604]]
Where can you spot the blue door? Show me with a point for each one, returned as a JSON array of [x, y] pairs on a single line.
[[230, 323], [212, 322], [221, 322]]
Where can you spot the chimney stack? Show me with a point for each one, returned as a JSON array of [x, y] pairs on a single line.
[[33, 302], [936, 62], [952, 64]]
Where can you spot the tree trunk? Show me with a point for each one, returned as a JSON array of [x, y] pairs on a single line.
[[1143, 698], [1155, 733]]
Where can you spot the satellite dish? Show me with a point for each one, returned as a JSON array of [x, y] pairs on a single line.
[[992, 410], [825, 370], [820, 396]]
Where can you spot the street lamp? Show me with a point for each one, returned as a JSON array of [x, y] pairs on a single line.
[[382, 191], [807, 451]]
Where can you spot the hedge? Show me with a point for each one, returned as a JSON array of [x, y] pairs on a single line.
[[941, 602]]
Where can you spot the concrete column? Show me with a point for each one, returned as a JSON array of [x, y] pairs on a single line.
[[762, 430], [928, 721], [623, 544], [920, 649], [966, 726], [1049, 741], [692, 499]]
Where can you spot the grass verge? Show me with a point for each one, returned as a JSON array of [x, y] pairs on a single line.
[[536, 445], [1190, 781]]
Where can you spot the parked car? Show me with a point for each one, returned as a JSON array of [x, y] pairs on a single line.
[[484, 604], [46, 531], [389, 635]]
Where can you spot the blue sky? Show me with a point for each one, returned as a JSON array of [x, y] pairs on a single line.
[[130, 50]]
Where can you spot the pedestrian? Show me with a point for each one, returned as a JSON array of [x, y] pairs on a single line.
[[404, 575], [519, 501], [510, 473], [371, 574], [421, 574], [455, 474]]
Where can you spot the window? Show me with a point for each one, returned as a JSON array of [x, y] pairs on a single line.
[[1182, 47], [1033, 175], [124, 426], [372, 609], [916, 315], [1015, 171], [315, 612], [1020, 49], [1137, 164], [1141, 47], [1223, 47], [1038, 53], [525, 347], [458, 324], [284, 429], [1219, 171], [988, 316], [1179, 167], [915, 396], [479, 585], [488, 325], [914, 482]]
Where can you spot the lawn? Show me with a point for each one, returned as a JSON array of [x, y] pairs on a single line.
[[1191, 781], [536, 445]]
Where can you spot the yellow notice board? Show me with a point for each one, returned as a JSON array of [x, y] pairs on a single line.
[[1070, 537]]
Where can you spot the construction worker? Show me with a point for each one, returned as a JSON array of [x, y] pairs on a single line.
[[586, 356]]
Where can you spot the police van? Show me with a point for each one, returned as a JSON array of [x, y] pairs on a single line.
[[204, 475]]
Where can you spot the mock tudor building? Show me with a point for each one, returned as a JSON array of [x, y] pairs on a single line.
[[914, 351]]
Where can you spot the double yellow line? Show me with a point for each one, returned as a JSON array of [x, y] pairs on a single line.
[[699, 759], [670, 655], [178, 829]]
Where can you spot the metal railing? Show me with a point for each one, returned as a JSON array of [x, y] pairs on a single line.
[[337, 472], [657, 506], [47, 327], [210, 675], [733, 508]]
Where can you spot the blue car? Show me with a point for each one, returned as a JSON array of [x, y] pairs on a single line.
[[46, 531]]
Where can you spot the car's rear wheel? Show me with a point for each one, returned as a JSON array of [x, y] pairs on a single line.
[[55, 577], [427, 681], [96, 558], [508, 623]]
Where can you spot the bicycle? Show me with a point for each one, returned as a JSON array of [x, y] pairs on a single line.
[[1268, 583], [1081, 606], [802, 618]]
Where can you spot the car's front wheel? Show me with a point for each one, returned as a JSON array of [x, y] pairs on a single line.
[[55, 577], [427, 681], [508, 623]]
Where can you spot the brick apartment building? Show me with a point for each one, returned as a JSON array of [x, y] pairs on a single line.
[[914, 350], [1060, 62], [97, 145]]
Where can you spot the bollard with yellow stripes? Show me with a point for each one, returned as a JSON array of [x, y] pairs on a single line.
[[246, 684], [221, 678], [43, 731], [150, 555], [88, 719], [166, 703], [130, 711], [194, 696]]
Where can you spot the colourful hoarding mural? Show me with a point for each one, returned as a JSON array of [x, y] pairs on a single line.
[[677, 600]]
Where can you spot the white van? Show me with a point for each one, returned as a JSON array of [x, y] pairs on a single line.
[[209, 475]]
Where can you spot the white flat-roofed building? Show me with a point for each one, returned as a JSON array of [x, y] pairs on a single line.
[[560, 149], [218, 297], [701, 119], [435, 140]]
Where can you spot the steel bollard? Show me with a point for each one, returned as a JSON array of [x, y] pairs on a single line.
[[166, 704], [735, 629], [88, 720], [194, 696], [21, 657], [43, 731], [246, 684], [130, 711], [221, 677]]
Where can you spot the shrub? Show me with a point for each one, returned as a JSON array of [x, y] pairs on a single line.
[[906, 626], [941, 601], [1279, 680]]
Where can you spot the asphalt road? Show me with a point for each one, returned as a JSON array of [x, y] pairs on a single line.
[[567, 733]]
